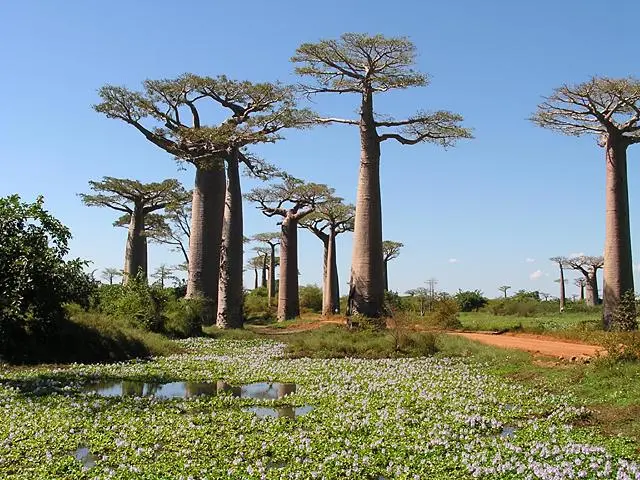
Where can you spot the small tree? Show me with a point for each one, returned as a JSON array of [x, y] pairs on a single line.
[[367, 65], [423, 295], [580, 283], [609, 109], [272, 239], [110, 273], [173, 227], [390, 250], [162, 273], [292, 200], [504, 289], [561, 261], [470, 300], [327, 222], [255, 264], [136, 200]]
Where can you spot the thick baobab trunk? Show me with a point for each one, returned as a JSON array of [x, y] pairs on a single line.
[[618, 267], [206, 236], [366, 294], [271, 286], [230, 294], [562, 294], [288, 295], [592, 289], [386, 275], [330, 287], [255, 281], [581, 293], [135, 257]]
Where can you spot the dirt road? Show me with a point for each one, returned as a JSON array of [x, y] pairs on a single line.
[[535, 344]]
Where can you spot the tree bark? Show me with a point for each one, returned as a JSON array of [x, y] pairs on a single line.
[[592, 289], [230, 294], [366, 295], [135, 260], [581, 293], [288, 293], [255, 282], [618, 266], [386, 275], [271, 286], [206, 236], [562, 294], [264, 271], [330, 286]]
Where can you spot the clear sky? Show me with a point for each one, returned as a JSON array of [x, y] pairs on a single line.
[[488, 212]]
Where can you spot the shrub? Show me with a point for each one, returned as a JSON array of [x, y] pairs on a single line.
[[624, 318], [183, 317], [35, 279], [445, 313], [470, 300], [256, 305], [311, 298]]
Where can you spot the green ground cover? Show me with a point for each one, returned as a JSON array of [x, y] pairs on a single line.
[[430, 417]]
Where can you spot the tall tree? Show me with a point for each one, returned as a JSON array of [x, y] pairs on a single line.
[[110, 273], [588, 266], [504, 289], [366, 65], [580, 283], [561, 261], [255, 264], [173, 227], [272, 239], [327, 222], [610, 109], [169, 113], [292, 199], [136, 200], [390, 250]]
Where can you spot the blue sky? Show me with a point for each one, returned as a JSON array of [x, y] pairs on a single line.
[[488, 212]]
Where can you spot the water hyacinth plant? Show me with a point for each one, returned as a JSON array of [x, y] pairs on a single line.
[[408, 418]]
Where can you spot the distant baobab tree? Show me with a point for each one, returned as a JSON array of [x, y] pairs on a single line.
[[580, 283], [608, 108], [504, 289], [110, 273], [561, 262], [390, 250], [588, 266], [367, 65], [545, 295], [272, 239]]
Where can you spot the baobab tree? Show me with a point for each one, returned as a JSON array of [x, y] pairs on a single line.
[[580, 283], [169, 114], [390, 250], [136, 200], [110, 273], [561, 262], [272, 239], [263, 253], [255, 264], [504, 289], [173, 226], [610, 109], [588, 266], [367, 65], [327, 222], [292, 199], [422, 294], [162, 273]]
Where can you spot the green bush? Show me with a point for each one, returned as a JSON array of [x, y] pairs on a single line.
[[183, 317], [311, 299], [470, 300], [445, 313], [625, 316], [35, 279], [256, 305]]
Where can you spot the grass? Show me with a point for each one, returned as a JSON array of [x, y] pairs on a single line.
[[545, 322]]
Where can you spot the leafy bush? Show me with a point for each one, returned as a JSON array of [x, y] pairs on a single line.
[[183, 317], [625, 316], [35, 280], [311, 298], [445, 312], [470, 300], [256, 305]]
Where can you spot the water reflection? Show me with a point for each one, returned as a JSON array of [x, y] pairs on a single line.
[[508, 431], [132, 388], [279, 412], [84, 455]]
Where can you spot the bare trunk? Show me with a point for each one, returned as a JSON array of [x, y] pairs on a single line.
[[562, 295], [264, 271], [581, 293], [230, 295], [618, 267], [330, 291], [206, 236], [591, 289], [288, 295], [386, 275], [135, 260], [255, 282], [271, 286], [366, 295]]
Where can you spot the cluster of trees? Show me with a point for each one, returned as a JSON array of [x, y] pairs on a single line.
[[172, 114]]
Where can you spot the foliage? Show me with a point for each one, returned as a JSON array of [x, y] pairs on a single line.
[[524, 296], [445, 312], [625, 316], [256, 305], [35, 279], [311, 298], [391, 250], [470, 300]]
